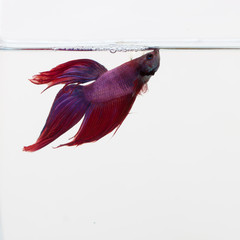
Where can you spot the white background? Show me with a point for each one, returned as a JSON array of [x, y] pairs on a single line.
[[171, 171], [121, 20]]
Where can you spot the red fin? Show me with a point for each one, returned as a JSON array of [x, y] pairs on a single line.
[[68, 108], [76, 71], [101, 119]]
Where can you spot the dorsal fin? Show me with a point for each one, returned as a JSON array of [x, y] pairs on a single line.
[[75, 71]]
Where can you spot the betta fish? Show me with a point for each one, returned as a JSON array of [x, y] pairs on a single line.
[[104, 103]]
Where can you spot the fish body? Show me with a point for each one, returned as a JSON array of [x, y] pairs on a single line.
[[104, 103]]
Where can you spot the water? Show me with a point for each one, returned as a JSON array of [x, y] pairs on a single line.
[[125, 46], [170, 172]]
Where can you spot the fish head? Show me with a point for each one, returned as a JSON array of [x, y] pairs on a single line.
[[149, 64]]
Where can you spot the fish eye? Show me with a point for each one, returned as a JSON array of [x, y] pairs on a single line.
[[149, 56]]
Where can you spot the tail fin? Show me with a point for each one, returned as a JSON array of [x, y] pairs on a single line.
[[76, 71], [68, 108]]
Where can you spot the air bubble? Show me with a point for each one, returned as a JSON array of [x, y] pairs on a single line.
[[113, 50]]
